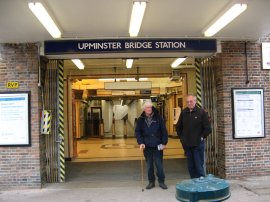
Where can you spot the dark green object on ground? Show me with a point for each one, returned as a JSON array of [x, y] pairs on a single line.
[[207, 188]]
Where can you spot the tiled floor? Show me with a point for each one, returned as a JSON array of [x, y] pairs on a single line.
[[95, 149]]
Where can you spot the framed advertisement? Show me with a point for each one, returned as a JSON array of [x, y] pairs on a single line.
[[266, 55], [15, 119], [248, 113]]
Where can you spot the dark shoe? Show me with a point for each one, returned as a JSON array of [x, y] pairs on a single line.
[[150, 185], [163, 185]]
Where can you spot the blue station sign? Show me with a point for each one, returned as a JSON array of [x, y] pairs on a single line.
[[57, 47]]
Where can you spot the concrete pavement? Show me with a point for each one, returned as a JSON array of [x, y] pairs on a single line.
[[252, 189], [121, 182]]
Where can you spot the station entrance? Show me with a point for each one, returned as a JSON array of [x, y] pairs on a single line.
[[99, 108]]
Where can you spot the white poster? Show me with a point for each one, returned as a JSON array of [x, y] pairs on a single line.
[[266, 55], [14, 119], [248, 113]]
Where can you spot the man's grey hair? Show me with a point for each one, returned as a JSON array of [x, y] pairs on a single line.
[[147, 103], [192, 95]]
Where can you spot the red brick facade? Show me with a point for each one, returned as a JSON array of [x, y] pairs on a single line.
[[20, 166], [241, 157]]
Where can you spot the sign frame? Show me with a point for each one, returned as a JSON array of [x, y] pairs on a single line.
[[129, 45], [248, 101], [20, 103]]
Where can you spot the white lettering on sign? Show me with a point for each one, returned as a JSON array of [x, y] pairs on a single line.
[[170, 44], [131, 45], [138, 45], [99, 46]]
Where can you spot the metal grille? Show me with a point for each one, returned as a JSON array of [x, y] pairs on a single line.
[[209, 103], [50, 104], [53, 102]]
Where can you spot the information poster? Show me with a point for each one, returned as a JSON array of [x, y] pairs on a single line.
[[266, 55], [15, 119], [248, 113]]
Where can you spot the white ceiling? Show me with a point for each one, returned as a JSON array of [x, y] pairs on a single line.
[[110, 19], [93, 19]]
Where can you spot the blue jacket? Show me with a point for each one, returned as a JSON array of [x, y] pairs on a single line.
[[153, 135]]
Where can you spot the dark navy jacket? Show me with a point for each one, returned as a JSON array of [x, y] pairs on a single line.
[[192, 126], [153, 135]]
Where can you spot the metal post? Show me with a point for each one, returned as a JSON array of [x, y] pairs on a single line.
[[60, 96]]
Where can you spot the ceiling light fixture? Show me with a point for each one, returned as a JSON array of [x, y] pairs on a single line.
[[117, 79], [78, 63], [143, 79], [129, 63], [177, 62], [136, 17], [225, 18], [43, 16]]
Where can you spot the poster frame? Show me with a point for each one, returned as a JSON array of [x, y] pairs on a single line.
[[234, 112], [27, 106]]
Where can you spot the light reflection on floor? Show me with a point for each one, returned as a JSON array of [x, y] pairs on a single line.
[[95, 149]]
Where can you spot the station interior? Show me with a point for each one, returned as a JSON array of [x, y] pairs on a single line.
[[105, 99]]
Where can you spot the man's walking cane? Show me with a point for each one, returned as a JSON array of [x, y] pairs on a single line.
[[142, 169]]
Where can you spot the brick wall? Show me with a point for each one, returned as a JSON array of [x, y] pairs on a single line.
[[241, 157], [20, 166]]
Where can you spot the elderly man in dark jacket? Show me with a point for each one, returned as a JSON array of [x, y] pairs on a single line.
[[152, 137], [193, 127]]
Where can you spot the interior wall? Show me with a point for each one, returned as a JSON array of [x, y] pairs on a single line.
[[191, 79], [132, 115], [107, 113], [66, 109]]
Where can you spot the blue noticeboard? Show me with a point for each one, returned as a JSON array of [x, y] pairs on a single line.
[[57, 47]]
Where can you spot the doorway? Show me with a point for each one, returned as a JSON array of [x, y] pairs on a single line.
[[76, 95], [116, 112]]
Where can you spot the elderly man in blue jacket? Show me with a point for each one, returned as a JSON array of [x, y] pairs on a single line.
[[152, 136]]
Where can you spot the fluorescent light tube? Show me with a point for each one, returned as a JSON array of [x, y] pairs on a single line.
[[117, 79], [136, 17], [225, 19], [177, 62], [78, 63], [129, 63], [106, 79], [45, 19]]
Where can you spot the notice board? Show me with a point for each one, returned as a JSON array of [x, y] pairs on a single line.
[[248, 113], [15, 124]]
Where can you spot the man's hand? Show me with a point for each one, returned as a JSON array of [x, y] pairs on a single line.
[[142, 146], [163, 147]]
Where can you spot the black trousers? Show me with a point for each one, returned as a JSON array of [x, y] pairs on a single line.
[[154, 156], [195, 159]]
